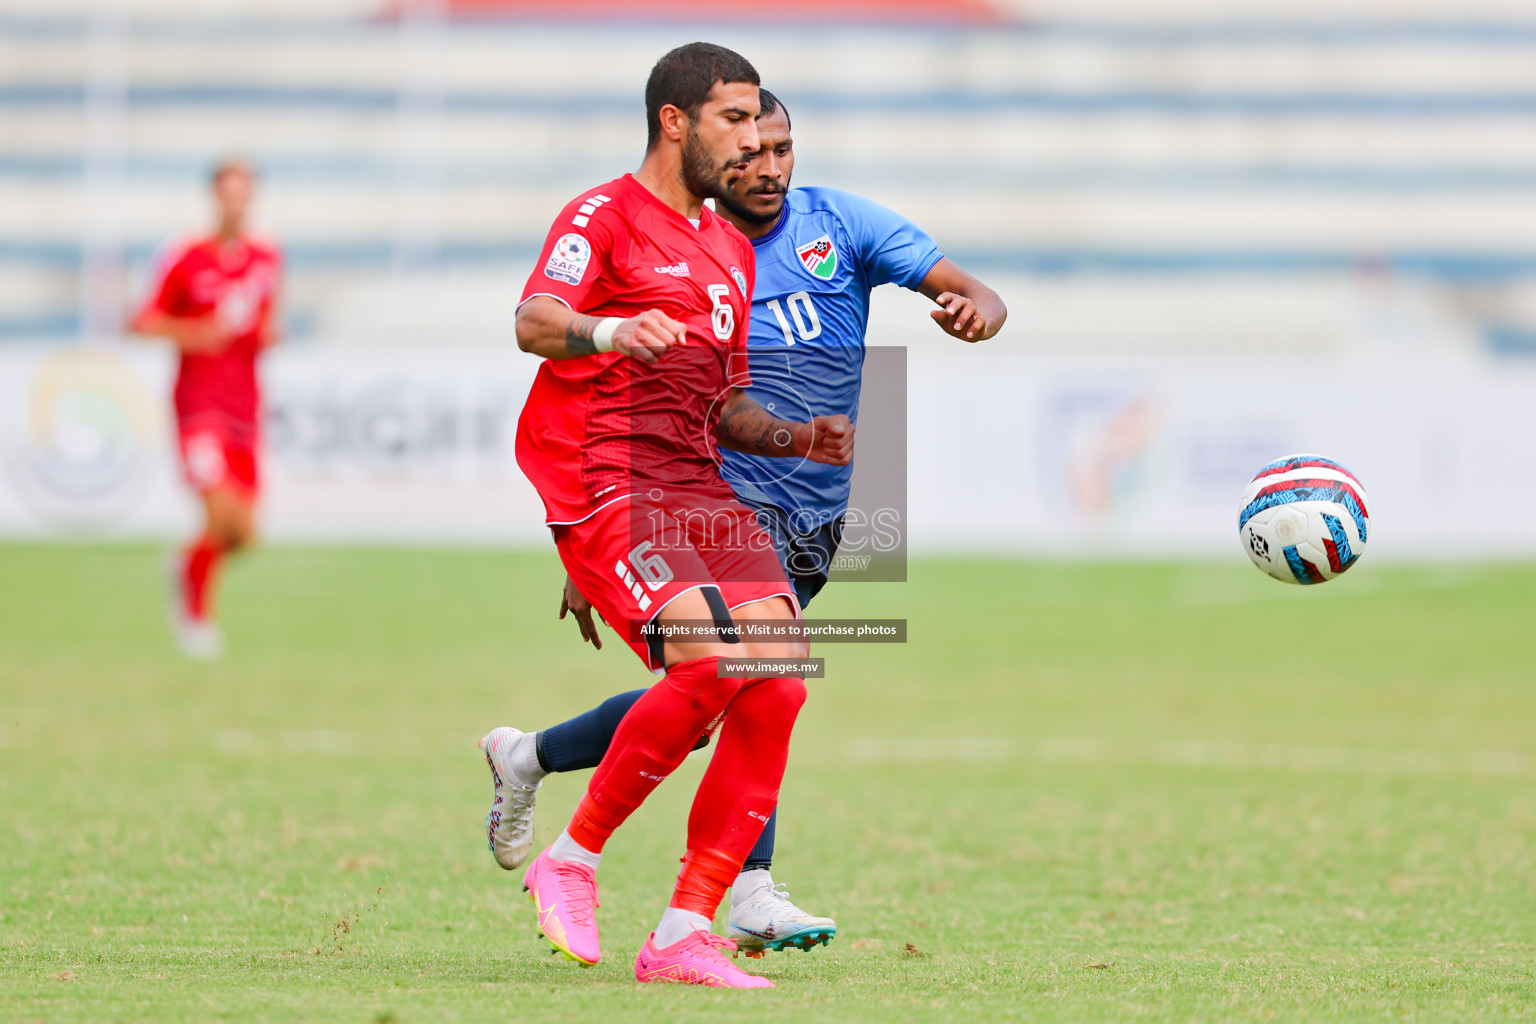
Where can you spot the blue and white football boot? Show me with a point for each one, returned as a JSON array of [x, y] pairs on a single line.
[[763, 918]]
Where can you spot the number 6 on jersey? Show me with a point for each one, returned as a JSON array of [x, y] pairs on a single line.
[[722, 317]]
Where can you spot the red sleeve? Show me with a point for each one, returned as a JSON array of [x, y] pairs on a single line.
[[738, 370], [575, 255], [166, 291], [269, 300]]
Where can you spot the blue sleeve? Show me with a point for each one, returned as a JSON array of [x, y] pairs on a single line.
[[892, 249]]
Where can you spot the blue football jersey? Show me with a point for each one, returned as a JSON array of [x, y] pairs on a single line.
[[810, 309]]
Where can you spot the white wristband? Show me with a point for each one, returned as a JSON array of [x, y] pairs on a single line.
[[602, 334]]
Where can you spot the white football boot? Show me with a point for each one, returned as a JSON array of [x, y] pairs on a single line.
[[509, 823], [763, 918], [198, 639]]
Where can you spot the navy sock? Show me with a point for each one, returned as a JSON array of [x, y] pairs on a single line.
[[762, 854], [582, 741]]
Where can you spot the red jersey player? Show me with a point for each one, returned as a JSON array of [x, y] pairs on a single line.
[[215, 299], [639, 306]]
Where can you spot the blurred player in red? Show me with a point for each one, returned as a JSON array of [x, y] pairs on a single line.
[[215, 299], [639, 306]]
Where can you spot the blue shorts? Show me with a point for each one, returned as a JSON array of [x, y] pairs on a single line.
[[805, 555]]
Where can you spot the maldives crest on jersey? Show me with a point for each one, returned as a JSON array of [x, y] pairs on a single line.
[[741, 281], [819, 258]]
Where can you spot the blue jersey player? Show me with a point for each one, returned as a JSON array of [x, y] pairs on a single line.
[[820, 252]]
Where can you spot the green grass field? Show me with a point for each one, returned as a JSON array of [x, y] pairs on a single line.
[[1079, 793]]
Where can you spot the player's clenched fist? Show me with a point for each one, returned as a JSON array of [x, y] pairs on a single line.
[[831, 440], [646, 336], [547, 327]]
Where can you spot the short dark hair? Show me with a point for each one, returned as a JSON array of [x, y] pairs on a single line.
[[684, 77], [770, 103]]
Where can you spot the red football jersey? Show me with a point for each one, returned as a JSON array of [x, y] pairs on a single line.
[[599, 427], [238, 282]]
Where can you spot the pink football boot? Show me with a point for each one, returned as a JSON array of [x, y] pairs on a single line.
[[697, 960], [564, 895]]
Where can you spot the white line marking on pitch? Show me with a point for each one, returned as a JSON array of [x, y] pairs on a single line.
[[1193, 754], [297, 741]]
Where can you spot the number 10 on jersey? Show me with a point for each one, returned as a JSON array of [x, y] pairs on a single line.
[[807, 323]]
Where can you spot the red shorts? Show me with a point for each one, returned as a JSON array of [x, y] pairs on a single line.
[[214, 458], [634, 556]]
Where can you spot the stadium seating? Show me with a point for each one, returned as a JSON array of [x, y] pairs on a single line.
[[1357, 158]]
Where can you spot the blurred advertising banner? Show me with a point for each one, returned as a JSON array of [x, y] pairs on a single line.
[[359, 445], [1146, 458], [1006, 451]]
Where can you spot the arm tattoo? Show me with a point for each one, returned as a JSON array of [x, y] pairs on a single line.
[[578, 335], [745, 426]]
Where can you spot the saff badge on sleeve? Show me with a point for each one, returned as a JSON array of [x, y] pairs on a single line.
[[568, 259]]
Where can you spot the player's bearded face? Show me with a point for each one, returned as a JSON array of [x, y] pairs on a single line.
[[706, 174], [757, 197]]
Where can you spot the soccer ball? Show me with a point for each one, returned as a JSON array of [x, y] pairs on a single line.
[[1304, 519]]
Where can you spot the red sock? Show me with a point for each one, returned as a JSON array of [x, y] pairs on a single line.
[[197, 570], [652, 739], [739, 790], [705, 876]]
